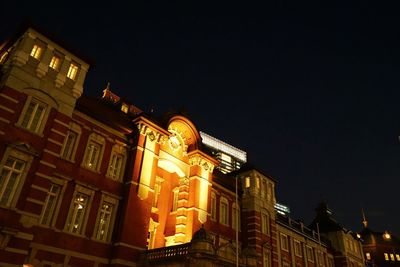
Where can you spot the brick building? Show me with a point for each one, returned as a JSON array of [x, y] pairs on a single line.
[[91, 181]]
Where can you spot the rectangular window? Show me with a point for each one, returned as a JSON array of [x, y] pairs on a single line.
[[368, 256], [124, 108], [36, 51], [115, 166], [157, 191], [284, 242], [104, 221], [213, 207], [391, 257], [223, 216], [310, 254], [77, 213], [297, 248], [175, 199], [386, 256], [72, 71], [34, 114], [55, 63], [69, 145], [50, 204], [397, 257], [264, 224], [9, 179], [247, 182], [92, 155]]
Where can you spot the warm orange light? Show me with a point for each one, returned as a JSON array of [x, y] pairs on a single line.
[[358, 236], [386, 236]]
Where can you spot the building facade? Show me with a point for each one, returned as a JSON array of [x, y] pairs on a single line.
[[91, 181]]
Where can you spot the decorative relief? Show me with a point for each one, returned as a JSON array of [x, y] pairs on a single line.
[[151, 134], [205, 164], [183, 181]]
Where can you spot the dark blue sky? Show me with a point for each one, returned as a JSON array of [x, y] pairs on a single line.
[[310, 92]]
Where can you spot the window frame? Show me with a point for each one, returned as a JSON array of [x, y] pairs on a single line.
[[284, 245], [27, 159], [43, 117], [73, 70], [297, 250], [224, 220], [76, 129], [310, 254], [265, 223], [95, 139], [36, 51], [55, 210], [110, 225], [85, 191], [118, 150], [213, 206], [237, 208]]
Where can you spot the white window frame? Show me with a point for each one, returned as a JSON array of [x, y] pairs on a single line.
[[265, 222], [53, 212], [79, 190], [117, 174], [297, 248], [310, 254], [38, 128], [70, 149], [16, 190], [111, 220], [213, 206], [94, 140], [284, 240], [224, 216]]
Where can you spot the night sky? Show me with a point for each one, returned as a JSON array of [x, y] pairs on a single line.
[[311, 92]]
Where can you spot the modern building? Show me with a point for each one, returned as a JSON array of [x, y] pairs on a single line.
[[96, 181]]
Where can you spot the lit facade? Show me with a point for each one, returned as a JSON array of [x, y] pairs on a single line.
[[98, 182]]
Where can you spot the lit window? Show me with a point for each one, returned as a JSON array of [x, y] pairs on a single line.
[[391, 257], [213, 206], [386, 256], [258, 182], [94, 152], [247, 182], [175, 199], [124, 108], [10, 177], [116, 166], [72, 71], [397, 257], [368, 256], [69, 145], [77, 213], [223, 211], [36, 51], [92, 155], [34, 116], [266, 259], [284, 242], [55, 62], [310, 254], [235, 217], [104, 218], [226, 158], [50, 204], [264, 223], [297, 248]]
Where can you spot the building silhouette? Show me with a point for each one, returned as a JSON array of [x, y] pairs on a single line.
[[97, 181]]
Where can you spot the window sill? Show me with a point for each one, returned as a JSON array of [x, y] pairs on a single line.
[[40, 133]]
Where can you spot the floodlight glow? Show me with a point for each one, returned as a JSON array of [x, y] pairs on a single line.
[[224, 147]]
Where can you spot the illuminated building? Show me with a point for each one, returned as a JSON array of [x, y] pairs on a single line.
[[380, 248], [282, 209], [89, 181], [230, 158]]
